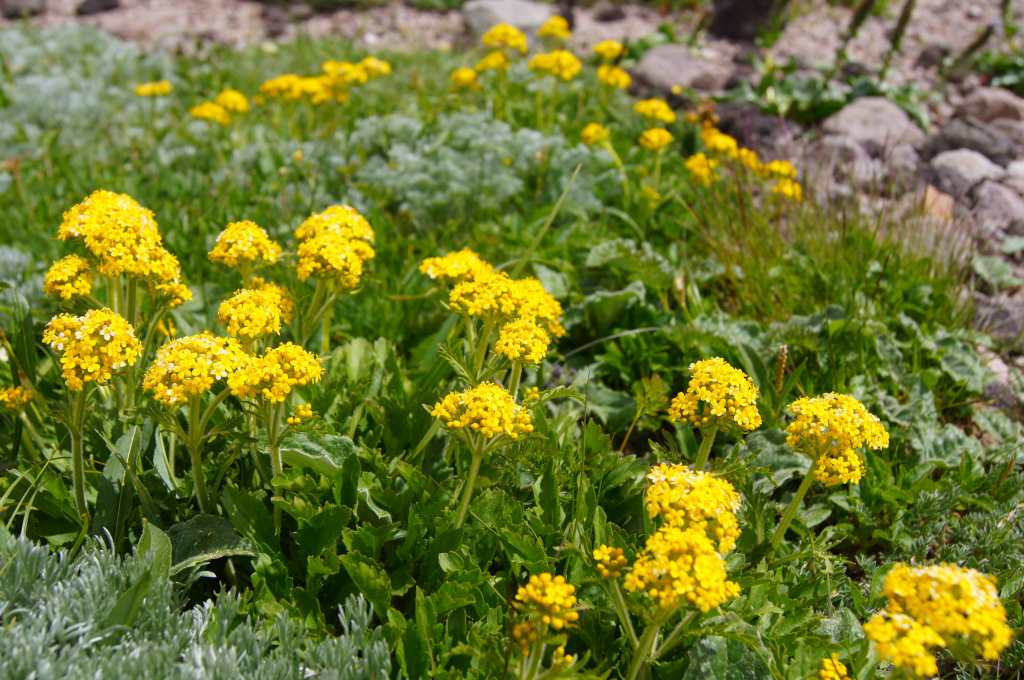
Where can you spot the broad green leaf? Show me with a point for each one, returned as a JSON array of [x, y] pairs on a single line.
[[202, 539], [155, 549], [325, 454], [370, 579]]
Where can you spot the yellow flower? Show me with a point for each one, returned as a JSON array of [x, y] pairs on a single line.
[[561, 64], [788, 189], [532, 302], [549, 600], [504, 36], [244, 244], [232, 101], [609, 50], [277, 294], [595, 133], [655, 109], [749, 159], [463, 78], [343, 219], [655, 139], [718, 395], [345, 73], [679, 566], [335, 243], [610, 561], [783, 169], [561, 660], [613, 76], [719, 142], [833, 669], [374, 67], [158, 88], [274, 375], [68, 277], [830, 429], [15, 398], [487, 408], [690, 499], [212, 112], [92, 347], [522, 340], [702, 168], [496, 296], [250, 314], [494, 61], [188, 367], [458, 266], [904, 642], [317, 89], [302, 413], [555, 27]]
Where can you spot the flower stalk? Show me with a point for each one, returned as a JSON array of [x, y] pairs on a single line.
[[794, 505]]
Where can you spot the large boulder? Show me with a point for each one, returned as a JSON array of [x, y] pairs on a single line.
[[989, 140], [958, 172], [992, 103], [742, 19], [527, 16], [20, 9], [667, 66], [876, 123]]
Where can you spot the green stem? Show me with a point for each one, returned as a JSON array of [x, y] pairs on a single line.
[[467, 489], [195, 450], [325, 330], [645, 647], [517, 374], [482, 343], [619, 602], [657, 171], [76, 428], [536, 657], [705, 448], [673, 638], [794, 505]]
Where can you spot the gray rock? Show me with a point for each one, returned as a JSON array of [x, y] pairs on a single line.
[[769, 135], [932, 55], [1000, 389], [986, 139], [957, 172], [846, 162], [997, 208], [1013, 129], [1015, 169], [904, 167], [665, 66], [88, 7], [1001, 316], [527, 16], [992, 103], [20, 9], [742, 19], [876, 123]]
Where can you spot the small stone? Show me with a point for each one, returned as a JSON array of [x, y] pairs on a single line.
[[21, 9], [984, 138], [938, 205], [480, 15], [904, 165], [986, 104], [876, 123], [667, 66], [957, 172], [768, 135], [742, 19], [931, 56], [89, 7], [609, 13], [1001, 316], [1015, 169], [997, 208]]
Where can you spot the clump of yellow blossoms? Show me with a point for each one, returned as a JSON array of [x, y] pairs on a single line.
[[15, 398], [609, 50], [718, 395], [788, 189], [522, 340], [463, 78], [487, 294], [93, 346], [278, 295], [158, 88], [780, 168], [274, 375], [232, 101], [830, 429], [292, 87], [493, 61], [244, 244], [595, 133], [487, 408], [655, 109], [655, 139], [749, 159], [250, 314], [903, 641], [555, 27], [681, 565], [691, 499], [702, 168], [461, 265], [211, 111], [610, 561], [833, 669], [550, 599], [561, 64], [68, 277], [719, 142], [335, 243], [613, 76], [302, 413], [374, 67], [189, 366], [502, 36]]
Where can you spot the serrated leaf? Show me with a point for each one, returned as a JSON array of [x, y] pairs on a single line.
[[370, 579]]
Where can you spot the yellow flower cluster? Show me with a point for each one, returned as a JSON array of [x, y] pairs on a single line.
[[595, 133], [780, 168], [550, 599], [502, 36], [609, 50], [555, 27], [157, 88], [463, 78], [831, 429], [462, 265], [833, 669], [92, 347], [681, 565], [251, 313], [522, 340], [302, 413], [232, 101], [280, 297], [493, 61], [68, 277], [495, 295], [561, 660], [655, 139], [335, 244], [655, 109], [15, 398], [561, 64], [244, 244], [691, 499], [950, 606], [188, 367], [703, 169], [276, 373], [487, 408], [718, 395], [610, 561], [293, 87], [788, 189], [212, 112], [613, 76], [718, 142]]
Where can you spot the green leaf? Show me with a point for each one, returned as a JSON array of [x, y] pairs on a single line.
[[322, 530], [250, 517], [547, 494], [995, 271], [129, 604], [325, 454], [202, 539], [717, 658], [155, 549], [370, 579]]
